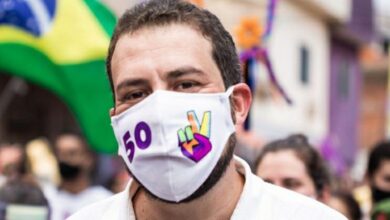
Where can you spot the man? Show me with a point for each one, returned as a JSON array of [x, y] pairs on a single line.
[[75, 189], [176, 80]]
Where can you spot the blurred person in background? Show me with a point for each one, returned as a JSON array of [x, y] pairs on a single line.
[[75, 162], [294, 164], [377, 188], [22, 199], [12, 161], [43, 165], [120, 177], [345, 203], [381, 210], [378, 172], [248, 146], [42, 161], [119, 181]]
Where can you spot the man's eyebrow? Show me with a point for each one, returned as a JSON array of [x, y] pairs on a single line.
[[182, 72], [131, 82]]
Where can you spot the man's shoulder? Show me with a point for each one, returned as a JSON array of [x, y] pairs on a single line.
[[98, 191], [280, 203]]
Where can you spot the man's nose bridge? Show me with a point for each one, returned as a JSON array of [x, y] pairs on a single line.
[[160, 83]]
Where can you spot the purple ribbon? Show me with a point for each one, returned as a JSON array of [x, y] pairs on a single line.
[[261, 54], [270, 18], [330, 154]]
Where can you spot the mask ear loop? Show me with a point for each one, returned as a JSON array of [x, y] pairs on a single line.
[[229, 91], [228, 94]]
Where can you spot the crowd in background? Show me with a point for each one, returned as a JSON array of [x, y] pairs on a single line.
[[295, 164], [44, 180]]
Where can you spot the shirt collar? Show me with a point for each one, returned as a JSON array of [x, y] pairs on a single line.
[[243, 204], [251, 193]]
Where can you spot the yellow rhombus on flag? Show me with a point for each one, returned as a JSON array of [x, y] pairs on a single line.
[[61, 45]]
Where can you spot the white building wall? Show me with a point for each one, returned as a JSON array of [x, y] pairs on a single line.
[[293, 28], [339, 10]]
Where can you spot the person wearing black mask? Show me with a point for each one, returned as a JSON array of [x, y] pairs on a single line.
[[378, 172], [75, 162]]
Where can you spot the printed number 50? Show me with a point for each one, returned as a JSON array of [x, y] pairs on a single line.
[[141, 142]]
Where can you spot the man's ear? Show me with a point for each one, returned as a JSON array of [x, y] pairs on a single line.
[[112, 112], [241, 101]]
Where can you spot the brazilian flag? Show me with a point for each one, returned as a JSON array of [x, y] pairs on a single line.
[[61, 45]]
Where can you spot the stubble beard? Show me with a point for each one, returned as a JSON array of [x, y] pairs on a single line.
[[215, 175]]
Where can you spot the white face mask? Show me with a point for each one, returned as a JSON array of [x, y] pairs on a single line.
[[172, 141]]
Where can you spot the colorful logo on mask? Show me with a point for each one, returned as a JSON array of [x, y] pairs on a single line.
[[194, 138]]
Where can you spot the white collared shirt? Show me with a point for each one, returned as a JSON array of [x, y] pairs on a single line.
[[259, 200]]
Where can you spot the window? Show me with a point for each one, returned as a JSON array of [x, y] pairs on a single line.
[[304, 65], [343, 78]]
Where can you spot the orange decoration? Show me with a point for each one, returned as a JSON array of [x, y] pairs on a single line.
[[248, 33], [369, 54], [199, 3]]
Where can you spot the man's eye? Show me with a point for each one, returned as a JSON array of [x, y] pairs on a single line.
[[186, 85], [134, 95]]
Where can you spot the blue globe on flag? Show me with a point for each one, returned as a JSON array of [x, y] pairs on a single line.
[[32, 16]]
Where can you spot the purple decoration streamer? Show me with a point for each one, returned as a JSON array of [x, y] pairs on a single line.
[[330, 154], [261, 54], [248, 54], [270, 19], [272, 75]]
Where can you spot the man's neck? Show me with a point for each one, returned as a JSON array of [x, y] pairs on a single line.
[[75, 186], [218, 203]]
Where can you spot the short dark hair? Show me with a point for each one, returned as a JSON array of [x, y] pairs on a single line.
[[314, 163], [156, 13], [350, 203], [379, 153]]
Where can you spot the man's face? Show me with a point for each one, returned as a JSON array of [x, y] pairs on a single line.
[[174, 57]]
